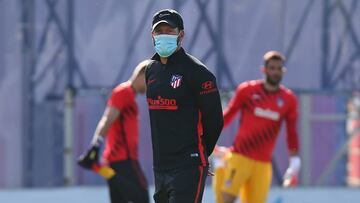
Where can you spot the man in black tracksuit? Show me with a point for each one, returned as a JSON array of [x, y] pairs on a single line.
[[185, 114]]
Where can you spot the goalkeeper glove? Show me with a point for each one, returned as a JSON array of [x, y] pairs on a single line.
[[219, 155], [104, 171], [292, 172], [89, 160], [91, 156]]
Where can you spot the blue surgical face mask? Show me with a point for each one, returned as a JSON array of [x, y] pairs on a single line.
[[165, 45]]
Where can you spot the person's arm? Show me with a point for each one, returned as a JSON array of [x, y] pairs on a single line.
[[234, 105], [109, 116], [89, 159], [291, 127], [291, 174], [208, 99]]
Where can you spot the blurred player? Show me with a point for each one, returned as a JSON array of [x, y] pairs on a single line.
[[119, 124], [246, 167]]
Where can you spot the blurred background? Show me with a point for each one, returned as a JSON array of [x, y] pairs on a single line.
[[59, 59]]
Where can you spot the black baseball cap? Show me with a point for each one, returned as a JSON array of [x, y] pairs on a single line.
[[169, 16]]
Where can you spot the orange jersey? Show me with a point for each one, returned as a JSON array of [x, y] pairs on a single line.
[[262, 113], [123, 136]]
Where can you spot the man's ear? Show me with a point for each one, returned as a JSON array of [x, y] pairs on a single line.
[[181, 36], [262, 69], [284, 69], [152, 37], [182, 33]]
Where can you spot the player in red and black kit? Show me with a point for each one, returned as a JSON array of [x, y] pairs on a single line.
[[119, 124], [264, 105], [185, 114]]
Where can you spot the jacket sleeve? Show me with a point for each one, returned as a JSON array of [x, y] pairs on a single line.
[[203, 83]]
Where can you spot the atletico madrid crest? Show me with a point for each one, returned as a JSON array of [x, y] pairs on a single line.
[[175, 81]]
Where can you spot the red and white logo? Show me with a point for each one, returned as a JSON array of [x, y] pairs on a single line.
[[160, 103], [175, 81], [207, 85]]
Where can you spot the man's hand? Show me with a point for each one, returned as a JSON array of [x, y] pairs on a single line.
[[218, 156], [210, 173], [89, 158], [292, 173]]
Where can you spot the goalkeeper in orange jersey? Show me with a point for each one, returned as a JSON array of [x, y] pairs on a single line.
[[245, 167], [119, 124]]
